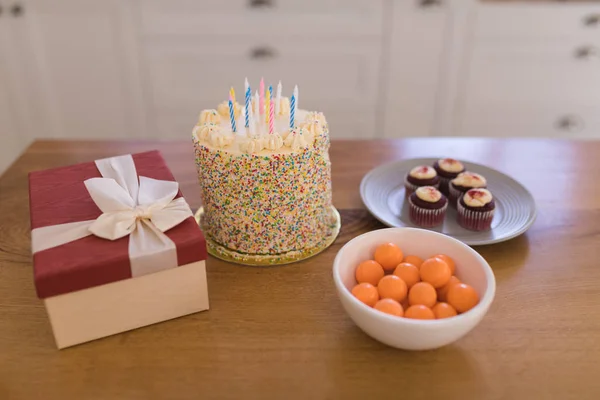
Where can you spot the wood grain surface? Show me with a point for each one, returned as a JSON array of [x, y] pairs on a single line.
[[280, 333]]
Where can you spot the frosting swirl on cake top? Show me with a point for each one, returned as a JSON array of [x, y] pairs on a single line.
[[477, 197], [451, 165], [428, 194], [470, 179], [423, 172], [296, 139], [209, 116]]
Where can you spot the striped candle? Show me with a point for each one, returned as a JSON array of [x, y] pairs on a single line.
[[267, 106], [292, 110], [232, 115], [248, 95], [293, 106], [261, 108], [271, 111]]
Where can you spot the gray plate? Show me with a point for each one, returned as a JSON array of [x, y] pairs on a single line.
[[382, 191]]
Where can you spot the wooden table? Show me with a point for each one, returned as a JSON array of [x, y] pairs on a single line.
[[280, 333]]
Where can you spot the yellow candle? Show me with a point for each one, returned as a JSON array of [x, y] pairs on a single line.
[[232, 95]]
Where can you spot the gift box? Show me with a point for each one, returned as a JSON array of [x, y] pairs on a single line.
[[115, 247]]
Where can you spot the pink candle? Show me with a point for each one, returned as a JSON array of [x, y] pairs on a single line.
[[271, 117], [261, 106]]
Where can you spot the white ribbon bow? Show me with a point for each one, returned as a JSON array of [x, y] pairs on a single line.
[[143, 211]]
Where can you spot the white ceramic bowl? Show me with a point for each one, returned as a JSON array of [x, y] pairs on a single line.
[[404, 333]]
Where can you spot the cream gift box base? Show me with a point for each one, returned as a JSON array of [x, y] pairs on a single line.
[[117, 307]]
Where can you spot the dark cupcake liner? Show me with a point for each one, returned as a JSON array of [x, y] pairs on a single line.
[[474, 220], [444, 185], [426, 218]]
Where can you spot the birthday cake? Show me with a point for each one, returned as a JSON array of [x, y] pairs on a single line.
[[265, 175]]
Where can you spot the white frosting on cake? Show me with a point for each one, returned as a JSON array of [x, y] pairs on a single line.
[[273, 141], [423, 172], [428, 194], [309, 126], [470, 179], [209, 116], [450, 165], [477, 197]]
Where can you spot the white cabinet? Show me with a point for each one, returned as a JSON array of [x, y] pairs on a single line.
[[539, 78], [193, 52], [426, 40], [15, 113], [80, 51]]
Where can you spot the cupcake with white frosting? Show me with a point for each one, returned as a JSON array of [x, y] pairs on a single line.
[[427, 207], [476, 210], [423, 175], [464, 182], [447, 169]]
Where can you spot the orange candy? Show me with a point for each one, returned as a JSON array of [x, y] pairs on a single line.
[[366, 293], [419, 312], [370, 272], [392, 287], [408, 273], [390, 306], [443, 310], [435, 271], [449, 261], [388, 255], [422, 293], [414, 260], [462, 297], [443, 291]]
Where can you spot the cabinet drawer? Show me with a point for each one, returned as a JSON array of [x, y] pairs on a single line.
[[336, 18], [560, 121], [560, 71], [343, 123], [538, 21], [191, 75]]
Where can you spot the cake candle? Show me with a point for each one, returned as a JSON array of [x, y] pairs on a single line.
[[271, 111], [292, 110], [232, 115], [267, 106], [278, 101], [261, 104], [247, 109], [232, 95]]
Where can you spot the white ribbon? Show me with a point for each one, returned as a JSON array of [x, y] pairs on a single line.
[[143, 211]]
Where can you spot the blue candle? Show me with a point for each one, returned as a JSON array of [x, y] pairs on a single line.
[[232, 116]]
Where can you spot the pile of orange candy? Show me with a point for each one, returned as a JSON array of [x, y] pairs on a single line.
[[408, 286]]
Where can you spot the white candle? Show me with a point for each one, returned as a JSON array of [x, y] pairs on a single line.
[[278, 102]]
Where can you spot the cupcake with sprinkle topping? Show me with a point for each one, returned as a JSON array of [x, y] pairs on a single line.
[[476, 210], [427, 207], [447, 169], [463, 183], [423, 175]]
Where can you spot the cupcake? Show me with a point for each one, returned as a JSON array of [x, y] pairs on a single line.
[[427, 207], [476, 210], [463, 182], [447, 169], [423, 175]]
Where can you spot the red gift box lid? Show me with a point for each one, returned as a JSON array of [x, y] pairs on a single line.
[[59, 196]]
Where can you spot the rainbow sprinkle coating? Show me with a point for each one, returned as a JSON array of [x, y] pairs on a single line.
[[266, 204]]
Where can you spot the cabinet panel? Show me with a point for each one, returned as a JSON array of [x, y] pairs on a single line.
[[553, 73], [563, 120], [78, 51], [339, 18], [412, 80], [539, 22]]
